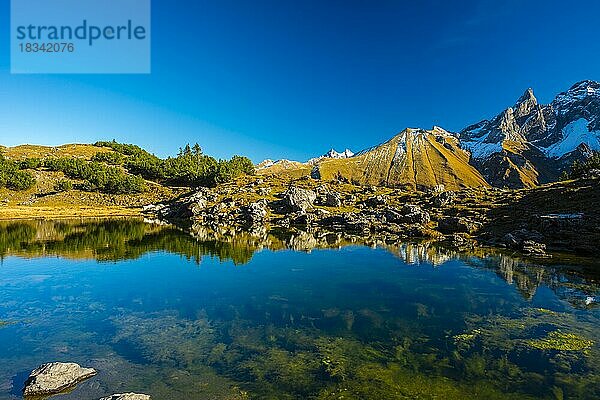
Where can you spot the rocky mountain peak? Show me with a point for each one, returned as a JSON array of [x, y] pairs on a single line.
[[532, 142], [585, 88], [578, 92], [524, 145], [504, 127], [414, 158], [439, 130], [525, 105], [332, 153]]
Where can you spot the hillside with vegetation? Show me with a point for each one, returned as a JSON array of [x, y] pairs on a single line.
[[90, 179], [408, 187]]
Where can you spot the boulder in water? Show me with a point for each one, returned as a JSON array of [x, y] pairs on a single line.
[[127, 396], [55, 377]]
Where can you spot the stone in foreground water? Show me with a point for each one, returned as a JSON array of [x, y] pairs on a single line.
[[127, 396], [55, 377]]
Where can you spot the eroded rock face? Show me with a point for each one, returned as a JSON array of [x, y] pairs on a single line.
[[409, 214], [297, 199], [529, 242], [188, 207], [55, 377], [534, 248], [127, 396], [255, 213]]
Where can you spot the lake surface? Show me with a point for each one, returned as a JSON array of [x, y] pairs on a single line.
[[159, 312]]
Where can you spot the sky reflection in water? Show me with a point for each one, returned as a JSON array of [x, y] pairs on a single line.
[[158, 312]]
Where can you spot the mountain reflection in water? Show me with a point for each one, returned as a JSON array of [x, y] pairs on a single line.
[[123, 239], [291, 315]]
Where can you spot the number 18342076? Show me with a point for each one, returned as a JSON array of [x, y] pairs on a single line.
[[51, 47]]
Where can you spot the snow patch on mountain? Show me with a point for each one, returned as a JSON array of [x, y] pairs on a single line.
[[331, 154], [477, 145], [334, 154], [574, 134], [265, 164]]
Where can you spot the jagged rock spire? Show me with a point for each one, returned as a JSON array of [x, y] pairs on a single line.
[[526, 104]]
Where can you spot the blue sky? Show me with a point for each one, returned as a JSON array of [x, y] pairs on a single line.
[[291, 79]]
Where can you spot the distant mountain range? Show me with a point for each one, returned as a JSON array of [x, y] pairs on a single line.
[[526, 145], [531, 143], [331, 154]]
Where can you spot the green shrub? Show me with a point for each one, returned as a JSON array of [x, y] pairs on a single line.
[[12, 177], [146, 165], [580, 168], [20, 180], [189, 168], [30, 163], [64, 185], [97, 176], [126, 149], [109, 158]]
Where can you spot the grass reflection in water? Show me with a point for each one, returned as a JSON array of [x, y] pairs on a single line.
[[412, 321]]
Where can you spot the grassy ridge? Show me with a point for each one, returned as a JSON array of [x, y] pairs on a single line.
[[105, 179], [412, 160]]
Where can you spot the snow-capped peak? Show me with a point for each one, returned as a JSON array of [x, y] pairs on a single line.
[[265, 164], [579, 92], [332, 154], [572, 119], [440, 131]]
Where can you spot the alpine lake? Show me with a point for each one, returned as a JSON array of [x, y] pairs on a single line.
[[158, 311]]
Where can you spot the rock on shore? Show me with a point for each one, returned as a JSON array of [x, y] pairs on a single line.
[[563, 215], [55, 377]]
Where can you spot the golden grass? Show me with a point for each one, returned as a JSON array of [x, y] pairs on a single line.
[[58, 212], [289, 170], [424, 162], [527, 174], [85, 151]]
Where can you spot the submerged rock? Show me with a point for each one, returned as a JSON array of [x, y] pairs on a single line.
[[127, 396], [55, 377]]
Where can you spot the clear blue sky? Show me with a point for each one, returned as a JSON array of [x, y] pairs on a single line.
[[290, 79]]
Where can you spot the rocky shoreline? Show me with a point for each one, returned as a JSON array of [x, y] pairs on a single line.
[[559, 217]]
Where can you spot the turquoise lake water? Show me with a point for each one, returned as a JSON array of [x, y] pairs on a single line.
[[159, 312]]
